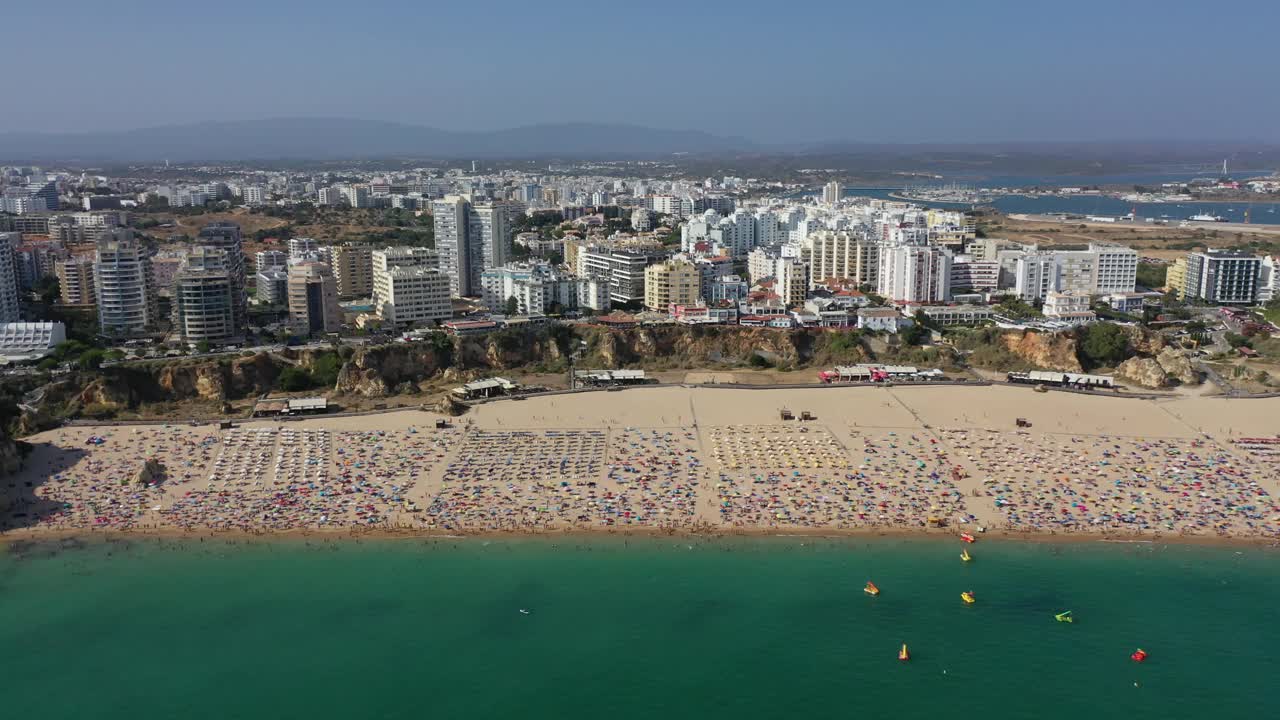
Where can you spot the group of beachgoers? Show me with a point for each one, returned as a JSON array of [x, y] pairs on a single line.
[[524, 481], [286, 476], [895, 481], [1056, 482], [776, 446]]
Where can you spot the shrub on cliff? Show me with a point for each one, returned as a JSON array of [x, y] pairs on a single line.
[[1103, 345]]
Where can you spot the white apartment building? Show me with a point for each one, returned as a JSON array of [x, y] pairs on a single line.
[[1035, 276], [416, 289], [1228, 277], [254, 195], [414, 296], [622, 270], [970, 275], [832, 193], [126, 287], [272, 286], [539, 288], [267, 259], [303, 249], [1100, 270], [470, 239], [329, 196], [915, 274], [1071, 307]]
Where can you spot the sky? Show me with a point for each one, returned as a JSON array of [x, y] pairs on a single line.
[[772, 72]]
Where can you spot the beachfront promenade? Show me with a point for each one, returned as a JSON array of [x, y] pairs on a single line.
[[685, 459]]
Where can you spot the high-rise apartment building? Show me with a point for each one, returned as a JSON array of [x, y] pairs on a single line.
[[413, 296], [226, 236], [203, 302], [622, 270], [401, 294], [313, 299], [832, 193], [451, 220], [843, 255], [1226, 277], [915, 274], [671, 282], [352, 269], [10, 310], [125, 285], [471, 238], [75, 281]]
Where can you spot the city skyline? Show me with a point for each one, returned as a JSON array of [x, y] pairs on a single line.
[[980, 72]]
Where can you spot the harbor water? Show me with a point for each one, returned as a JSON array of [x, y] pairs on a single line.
[[640, 628]]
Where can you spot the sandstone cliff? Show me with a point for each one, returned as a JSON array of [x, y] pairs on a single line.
[[1050, 351]]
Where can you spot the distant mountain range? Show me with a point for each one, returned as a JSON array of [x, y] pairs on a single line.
[[322, 139]]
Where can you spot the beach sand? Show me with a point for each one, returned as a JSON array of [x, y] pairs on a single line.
[[675, 459]]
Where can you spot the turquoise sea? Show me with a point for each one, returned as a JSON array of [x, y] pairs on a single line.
[[764, 628]]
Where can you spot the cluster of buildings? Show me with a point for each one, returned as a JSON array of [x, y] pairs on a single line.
[[715, 251], [1223, 277]]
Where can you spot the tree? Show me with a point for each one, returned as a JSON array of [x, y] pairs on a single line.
[[293, 379], [913, 334], [92, 359], [513, 305], [203, 347], [1103, 344], [1151, 275], [1237, 341]]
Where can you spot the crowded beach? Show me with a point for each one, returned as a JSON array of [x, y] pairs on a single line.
[[691, 459]]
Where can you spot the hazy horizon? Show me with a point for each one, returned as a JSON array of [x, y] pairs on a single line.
[[975, 72]]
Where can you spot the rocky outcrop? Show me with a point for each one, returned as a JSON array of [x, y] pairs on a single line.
[[1168, 368], [1143, 372], [378, 371], [1051, 351], [1178, 366], [1142, 341]]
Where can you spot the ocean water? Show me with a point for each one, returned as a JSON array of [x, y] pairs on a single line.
[[1260, 213], [767, 628]]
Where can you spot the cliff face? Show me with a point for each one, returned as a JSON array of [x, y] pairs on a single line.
[[10, 458], [1051, 351], [699, 346]]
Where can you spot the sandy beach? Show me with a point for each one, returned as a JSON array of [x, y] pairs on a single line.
[[674, 459]]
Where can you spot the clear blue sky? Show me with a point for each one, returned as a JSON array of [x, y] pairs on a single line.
[[959, 70]]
